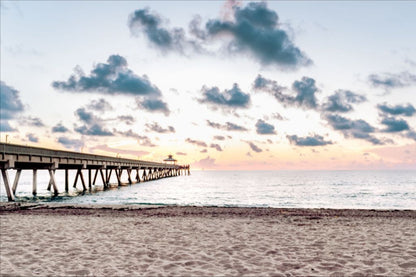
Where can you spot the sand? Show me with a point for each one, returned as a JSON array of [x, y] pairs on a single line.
[[58, 240]]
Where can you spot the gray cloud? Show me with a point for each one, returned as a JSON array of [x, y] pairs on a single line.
[[127, 119], [264, 128], [10, 103], [277, 116], [411, 135], [405, 110], [256, 30], [142, 140], [32, 121], [93, 130], [196, 142], [341, 101], [32, 138], [5, 126], [112, 77], [93, 125], [390, 81], [216, 146], [233, 98], [181, 153], [10, 106], [149, 23], [305, 90], [219, 137], [155, 127], [315, 140], [71, 143], [394, 125], [352, 128], [254, 147], [100, 105], [153, 105], [228, 126], [59, 128]]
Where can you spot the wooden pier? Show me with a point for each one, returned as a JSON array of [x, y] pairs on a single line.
[[18, 157]]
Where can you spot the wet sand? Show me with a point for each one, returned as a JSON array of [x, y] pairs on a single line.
[[62, 240]]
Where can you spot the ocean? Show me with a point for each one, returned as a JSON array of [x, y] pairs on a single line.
[[286, 189]]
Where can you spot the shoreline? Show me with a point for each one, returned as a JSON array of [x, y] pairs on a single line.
[[176, 210], [121, 240]]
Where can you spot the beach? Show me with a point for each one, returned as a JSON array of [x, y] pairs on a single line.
[[85, 240]]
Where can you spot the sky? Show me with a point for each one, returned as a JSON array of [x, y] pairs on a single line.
[[230, 85]]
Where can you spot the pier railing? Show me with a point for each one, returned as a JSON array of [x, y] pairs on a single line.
[[19, 157]]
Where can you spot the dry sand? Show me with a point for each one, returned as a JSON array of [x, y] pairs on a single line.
[[58, 240]]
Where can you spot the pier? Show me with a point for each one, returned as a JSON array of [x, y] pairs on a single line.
[[18, 157]]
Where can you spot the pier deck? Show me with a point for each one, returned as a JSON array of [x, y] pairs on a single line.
[[18, 157]]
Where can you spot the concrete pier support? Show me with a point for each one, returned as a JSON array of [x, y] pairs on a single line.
[[66, 180], [10, 194], [34, 182], [16, 180], [53, 181]]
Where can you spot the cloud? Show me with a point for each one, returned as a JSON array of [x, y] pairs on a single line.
[[341, 101], [256, 30], [411, 135], [228, 126], [390, 81], [216, 146], [405, 110], [32, 121], [203, 151], [32, 138], [352, 128], [264, 128], [304, 89], [111, 78], [71, 143], [59, 128], [10, 106], [233, 98], [5, 126], [10, 103], [219, 137], [153, 105], [277, 116], [315, 140], [100, 105], [149, 23], [127, 119], [254, 147], [394, 125], [93, 130], [205, 163], [142, 140], [93, 125], [196, 142], [155, 127], [181, 153]]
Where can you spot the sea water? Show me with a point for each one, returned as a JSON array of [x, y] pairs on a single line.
[[300, 189]]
